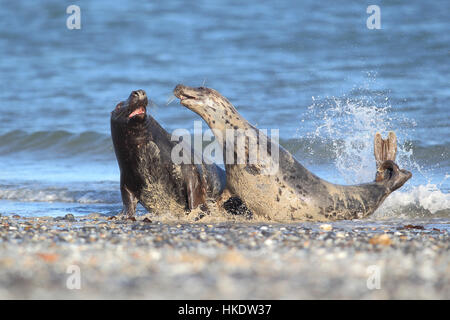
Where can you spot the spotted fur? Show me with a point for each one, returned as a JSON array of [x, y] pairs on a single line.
[[293, 192]]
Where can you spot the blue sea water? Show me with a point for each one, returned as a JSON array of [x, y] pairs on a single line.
[[309, 68]]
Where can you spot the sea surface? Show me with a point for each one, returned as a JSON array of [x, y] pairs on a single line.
[[311, 69]]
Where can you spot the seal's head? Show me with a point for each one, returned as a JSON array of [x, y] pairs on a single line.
[[209, 104], [133, 109]]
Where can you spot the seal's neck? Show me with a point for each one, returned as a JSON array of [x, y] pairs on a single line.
[[129, 132], [222, 116]]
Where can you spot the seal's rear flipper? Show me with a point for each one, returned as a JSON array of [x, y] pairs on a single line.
[[388, 172], [384, 149]]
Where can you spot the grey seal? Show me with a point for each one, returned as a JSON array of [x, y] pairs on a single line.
[[147, 173], [292, 192]]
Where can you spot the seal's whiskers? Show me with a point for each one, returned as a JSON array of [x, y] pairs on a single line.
[[170, 99]]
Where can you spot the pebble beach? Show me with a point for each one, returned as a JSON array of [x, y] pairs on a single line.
[[95, 257]]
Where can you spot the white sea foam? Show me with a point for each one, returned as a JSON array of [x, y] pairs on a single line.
[[421, 201], [56, 195], [34, 195]]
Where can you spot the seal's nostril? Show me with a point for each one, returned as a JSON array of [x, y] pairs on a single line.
[[141, 94]]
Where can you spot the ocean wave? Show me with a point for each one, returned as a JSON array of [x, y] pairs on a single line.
[[64, 144], [423, 201], [58, 143], [52, 194], [323, 150]]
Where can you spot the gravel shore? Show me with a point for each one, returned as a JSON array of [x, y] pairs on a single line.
[[46, 258]]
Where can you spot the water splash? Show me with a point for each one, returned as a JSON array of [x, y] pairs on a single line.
[[348, 124]]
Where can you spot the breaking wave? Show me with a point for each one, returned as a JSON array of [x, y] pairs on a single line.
[[39, 193], [316, 147], [56, 143], [417, 202]]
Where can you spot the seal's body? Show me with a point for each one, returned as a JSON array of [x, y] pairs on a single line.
[[291, 192], [147, 173]]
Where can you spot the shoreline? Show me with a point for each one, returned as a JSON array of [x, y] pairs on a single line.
[[224, 260]]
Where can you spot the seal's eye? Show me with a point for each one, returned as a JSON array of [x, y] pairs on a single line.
[[118, 106]]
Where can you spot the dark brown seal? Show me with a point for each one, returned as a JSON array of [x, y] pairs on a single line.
[[291, 192], [147, 172]]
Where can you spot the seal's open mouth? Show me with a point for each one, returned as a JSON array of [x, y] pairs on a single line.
[[184, 93], [184, 97], [140, 110]]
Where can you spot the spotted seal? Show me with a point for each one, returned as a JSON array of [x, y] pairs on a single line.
[[291, 192], [147, 173]]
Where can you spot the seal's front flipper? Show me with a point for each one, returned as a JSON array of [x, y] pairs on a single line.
[[129, 201], [196, 193]]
